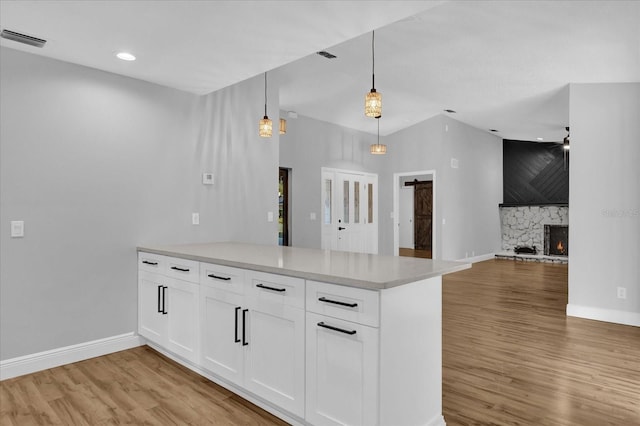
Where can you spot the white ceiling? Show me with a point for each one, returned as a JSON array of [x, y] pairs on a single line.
[[499, 64]]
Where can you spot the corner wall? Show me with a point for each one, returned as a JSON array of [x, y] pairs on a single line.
[[604, 198], [97, 164]]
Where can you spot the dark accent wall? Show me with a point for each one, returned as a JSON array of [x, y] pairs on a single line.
[[534, 173]]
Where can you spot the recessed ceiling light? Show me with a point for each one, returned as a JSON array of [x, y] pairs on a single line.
[[125, 56], [540, 139], [450, 111]]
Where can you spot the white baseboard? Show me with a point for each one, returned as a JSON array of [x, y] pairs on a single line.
[[476, 259], [607, 315], [27, 364]]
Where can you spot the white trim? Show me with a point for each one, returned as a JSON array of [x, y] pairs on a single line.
[[27, 364], [480, 258], [396, 211], [607, 315], [437, 421]]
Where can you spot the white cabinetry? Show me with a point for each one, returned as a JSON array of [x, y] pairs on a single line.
[[168, 307], [342, 355], [253, 334]]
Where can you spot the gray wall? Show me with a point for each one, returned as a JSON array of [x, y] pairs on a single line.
[[466, 197], [604, 199], [96, 164], [308, 146]]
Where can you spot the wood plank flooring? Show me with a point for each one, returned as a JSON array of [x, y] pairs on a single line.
[[510, 357]]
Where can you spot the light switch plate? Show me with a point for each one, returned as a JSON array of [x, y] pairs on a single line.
[[195, 218], [312, 216], [269, 216], [207, 178], [17, 228]]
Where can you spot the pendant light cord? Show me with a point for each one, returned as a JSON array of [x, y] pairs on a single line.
[[265, 94], [373, 60], [378, 130]]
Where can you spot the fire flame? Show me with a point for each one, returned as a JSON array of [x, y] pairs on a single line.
[[560, 247]]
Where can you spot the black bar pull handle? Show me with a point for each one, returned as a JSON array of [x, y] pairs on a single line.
[[341, 228], [146, 262], [336, 302], [244, 327], [341, 330], [164, 300], [175, 268], [219, 278], [159, 297], [236, 340], [266, 287]]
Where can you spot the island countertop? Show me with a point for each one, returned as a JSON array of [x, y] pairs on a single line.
[[368, 271]]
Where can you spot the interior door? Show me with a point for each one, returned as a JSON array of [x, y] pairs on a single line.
[[350, 204], [423, 215]]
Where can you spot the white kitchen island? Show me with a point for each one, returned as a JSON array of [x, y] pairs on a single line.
[[316, 337]]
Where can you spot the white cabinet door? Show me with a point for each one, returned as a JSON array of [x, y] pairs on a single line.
[[152, 323], [342, 372], [221, 333], [274, 355], [181, 306]]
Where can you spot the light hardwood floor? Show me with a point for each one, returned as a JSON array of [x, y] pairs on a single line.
[[510, 357]]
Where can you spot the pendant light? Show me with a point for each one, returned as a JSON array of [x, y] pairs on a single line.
[[373, 99], [266, 125], [565, 144], [283, 126], [378, 148], [565, 149]]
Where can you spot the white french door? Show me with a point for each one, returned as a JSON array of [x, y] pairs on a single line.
[[349, 211]]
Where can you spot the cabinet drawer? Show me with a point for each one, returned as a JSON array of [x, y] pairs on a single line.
[[222, 277], [279, 289], [347, 303], [183, 269], [151, 262]]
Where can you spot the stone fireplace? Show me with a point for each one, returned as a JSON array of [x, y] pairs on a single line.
[[533, 226]]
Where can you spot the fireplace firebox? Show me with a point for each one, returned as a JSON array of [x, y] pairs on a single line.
[[556, 240]]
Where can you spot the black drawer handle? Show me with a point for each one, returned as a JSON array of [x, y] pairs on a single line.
[[341, 330], [219, 278], [266, 287], [244, 327], [335, 302], [175, 268], [146, 262], [236, 340]]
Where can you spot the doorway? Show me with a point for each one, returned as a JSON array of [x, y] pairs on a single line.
[[349, 211], [421, 217], [283, 207], [414, 202]]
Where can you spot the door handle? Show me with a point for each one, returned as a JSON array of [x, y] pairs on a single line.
[[340, 228], [159, 297], [237, 340], [244, 327], [164, 300]]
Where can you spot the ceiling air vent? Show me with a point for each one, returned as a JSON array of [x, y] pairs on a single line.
[[326, 54], [22, 38]]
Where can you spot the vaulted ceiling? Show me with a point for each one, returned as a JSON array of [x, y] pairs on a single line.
[[500, 65]]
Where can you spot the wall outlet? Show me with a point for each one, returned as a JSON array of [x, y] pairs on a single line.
[[17, 228], [269, 216], [195, 218], [622, 292], [454, 163], [312, 216]]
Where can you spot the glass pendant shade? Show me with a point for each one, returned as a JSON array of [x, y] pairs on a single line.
[[378, 149], [266, 127], [283, 126], [373, 104]]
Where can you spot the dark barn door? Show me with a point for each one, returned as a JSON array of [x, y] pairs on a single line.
[[423, 215]]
